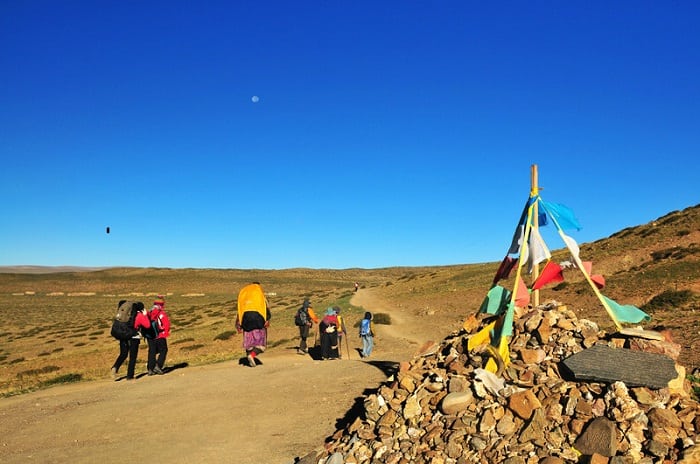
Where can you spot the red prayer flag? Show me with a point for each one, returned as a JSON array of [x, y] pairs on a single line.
[[598, 280], [504, 269], [551, 272], [522, 294]]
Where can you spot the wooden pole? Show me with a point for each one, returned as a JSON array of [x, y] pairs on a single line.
[[534, 191]]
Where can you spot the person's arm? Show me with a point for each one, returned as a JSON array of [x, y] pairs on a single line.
[[239, 328], [312, 315], [141, 321], [165, 322]]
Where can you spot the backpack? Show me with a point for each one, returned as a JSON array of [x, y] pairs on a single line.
[[302, 317], [151, 332], [123, 324], [154, 330]]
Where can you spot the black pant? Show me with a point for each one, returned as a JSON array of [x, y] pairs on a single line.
[[329, 345], [303, 335], [159, 347], [128, 348]]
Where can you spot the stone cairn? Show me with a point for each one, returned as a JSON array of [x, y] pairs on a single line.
[[443, 407]]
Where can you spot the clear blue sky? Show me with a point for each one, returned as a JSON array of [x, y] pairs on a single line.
[[385, 133]]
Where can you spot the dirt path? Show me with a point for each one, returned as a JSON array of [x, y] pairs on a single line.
[[222, 413]]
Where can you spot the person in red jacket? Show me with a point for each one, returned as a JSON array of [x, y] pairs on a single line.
[[158, 346], [130, 347]]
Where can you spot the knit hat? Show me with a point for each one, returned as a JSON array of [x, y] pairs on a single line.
[[330, 312], [160, 301]]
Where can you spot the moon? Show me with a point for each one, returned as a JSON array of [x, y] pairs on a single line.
[[255, 99]]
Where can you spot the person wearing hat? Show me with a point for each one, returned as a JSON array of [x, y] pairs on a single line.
[[158, 346], [305, 319], [130, 347], [329, 335]]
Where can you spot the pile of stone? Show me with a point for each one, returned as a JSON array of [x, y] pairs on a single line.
[[444, 408]]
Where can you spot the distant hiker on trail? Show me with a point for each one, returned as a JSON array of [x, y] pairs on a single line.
[[253, 319], [357, 286], [158, 346], [342, 332], [130, 346], [329, 335], [304, 319], [367, 335]]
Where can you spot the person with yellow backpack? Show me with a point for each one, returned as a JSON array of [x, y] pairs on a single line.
[[342, 332], [253, 319]]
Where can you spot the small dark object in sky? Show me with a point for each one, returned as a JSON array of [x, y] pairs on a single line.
[[107, 229]]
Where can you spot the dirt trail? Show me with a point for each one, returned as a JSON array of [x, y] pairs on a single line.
[[222, 413]]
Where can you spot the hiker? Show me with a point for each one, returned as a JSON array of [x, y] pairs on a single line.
[[367, 335], [342, 332], [305, 319], [130, 347], [328, 329], [357, 286], [158, 346], [253, 319]]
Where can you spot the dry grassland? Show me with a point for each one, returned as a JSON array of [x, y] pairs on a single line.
[[55, 326]]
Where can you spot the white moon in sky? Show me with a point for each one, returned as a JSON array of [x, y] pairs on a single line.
[[255, 99]]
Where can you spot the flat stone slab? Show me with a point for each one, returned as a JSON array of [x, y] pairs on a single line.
[[600, 363], [642, 333]]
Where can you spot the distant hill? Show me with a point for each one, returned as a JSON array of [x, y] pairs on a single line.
[[45, 269]]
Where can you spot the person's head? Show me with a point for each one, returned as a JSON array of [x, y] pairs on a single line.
[[368, 315], [330, 312], [159, 301], [307, 303]]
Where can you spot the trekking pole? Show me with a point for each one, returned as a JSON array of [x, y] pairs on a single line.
[[347, 345]]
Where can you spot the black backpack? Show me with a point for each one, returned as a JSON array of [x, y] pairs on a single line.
[[302, 316], [123, 324], [151, 332]]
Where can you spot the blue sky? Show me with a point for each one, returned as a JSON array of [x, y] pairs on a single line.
[[385, 133]]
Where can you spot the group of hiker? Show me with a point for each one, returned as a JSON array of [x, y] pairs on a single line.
[[253, 318], [332, 330], [134, 322], [153, 325]]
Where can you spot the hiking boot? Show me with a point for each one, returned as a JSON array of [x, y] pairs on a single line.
[[251, 360], [158, 370], [114, 372], [301, 352], [150, 372]]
